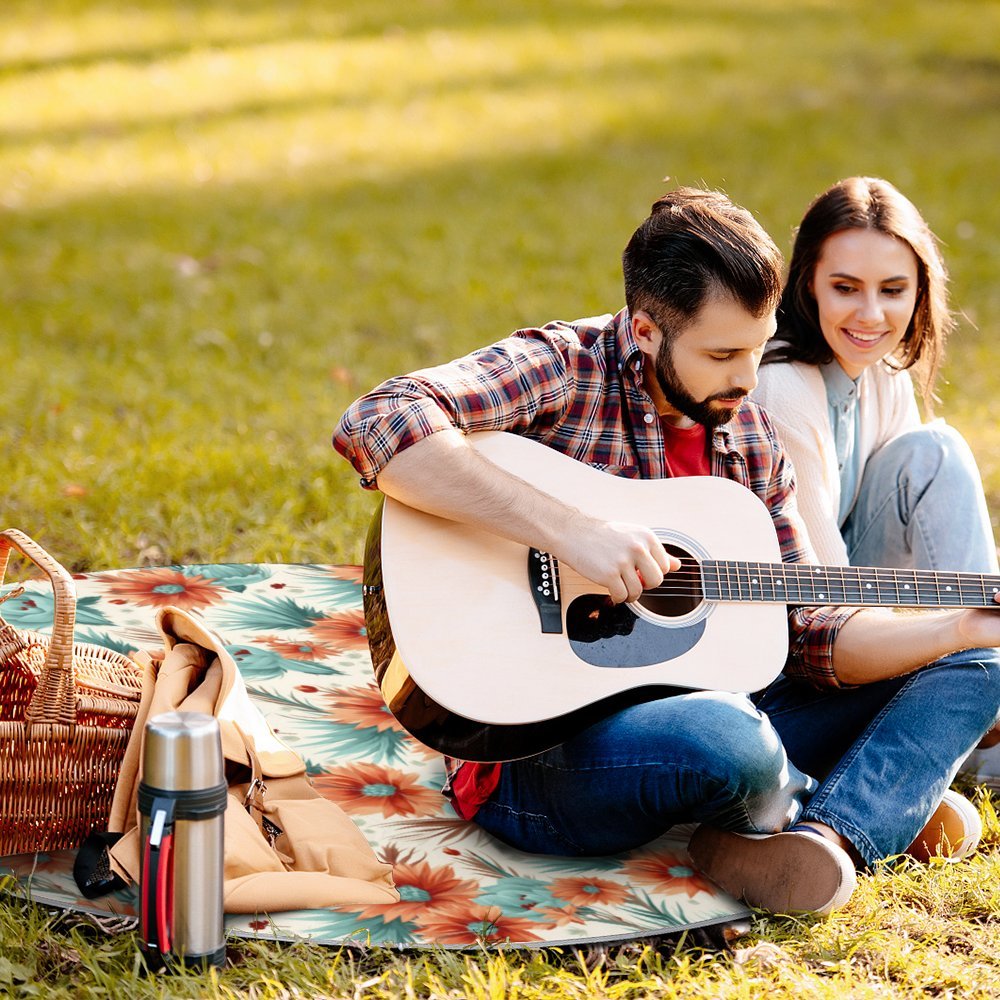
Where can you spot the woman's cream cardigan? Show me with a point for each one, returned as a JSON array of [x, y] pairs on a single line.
[[794, 395]]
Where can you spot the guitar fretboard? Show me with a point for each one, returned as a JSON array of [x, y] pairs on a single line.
[[794, 583]]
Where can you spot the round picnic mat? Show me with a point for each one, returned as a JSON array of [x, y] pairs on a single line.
[[297, 633]]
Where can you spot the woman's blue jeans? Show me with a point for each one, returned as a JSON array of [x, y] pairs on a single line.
[[920, 505], [872, 762]]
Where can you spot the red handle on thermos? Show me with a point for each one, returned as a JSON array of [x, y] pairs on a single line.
[[156, 910]]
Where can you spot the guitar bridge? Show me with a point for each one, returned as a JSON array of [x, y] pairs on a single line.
[[543, 578]]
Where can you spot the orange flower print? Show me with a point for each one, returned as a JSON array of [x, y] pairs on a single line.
[[560, 916], [589, 891], [485, 924], [159, 587], [371, 788], [292, 650], [345, 630], [361, 707], [423, 889], [667, 873]]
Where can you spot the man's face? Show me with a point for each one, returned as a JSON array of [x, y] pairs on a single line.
[[704, 374]]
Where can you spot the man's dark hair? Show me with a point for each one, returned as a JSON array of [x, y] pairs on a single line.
[[694, 244]]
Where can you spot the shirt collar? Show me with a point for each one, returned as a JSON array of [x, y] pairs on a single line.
[[840, 387], [630, 357], [632, 361]]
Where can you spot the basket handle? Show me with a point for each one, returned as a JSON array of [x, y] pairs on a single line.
[[54, 700]]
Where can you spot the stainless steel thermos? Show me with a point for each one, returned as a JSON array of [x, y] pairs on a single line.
[[182, 802]]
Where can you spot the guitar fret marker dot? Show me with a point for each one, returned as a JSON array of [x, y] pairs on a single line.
[[868, 586]]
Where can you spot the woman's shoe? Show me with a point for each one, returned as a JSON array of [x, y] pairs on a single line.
[[953, 831]]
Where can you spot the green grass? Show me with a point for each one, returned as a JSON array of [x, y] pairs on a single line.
[[221, 221], [910, 932]]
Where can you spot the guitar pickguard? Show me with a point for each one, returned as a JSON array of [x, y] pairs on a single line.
[[612, 635]]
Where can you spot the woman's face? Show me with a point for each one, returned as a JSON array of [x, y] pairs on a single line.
[[865, 285]]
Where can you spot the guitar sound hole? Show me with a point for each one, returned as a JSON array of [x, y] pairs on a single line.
[[680, 593]]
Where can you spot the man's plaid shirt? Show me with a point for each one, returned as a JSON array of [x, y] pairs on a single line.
[[577, 387]]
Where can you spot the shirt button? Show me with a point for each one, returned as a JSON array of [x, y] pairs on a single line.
[[648, 418]]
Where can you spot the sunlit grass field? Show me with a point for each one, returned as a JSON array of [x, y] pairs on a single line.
[[222, 221]]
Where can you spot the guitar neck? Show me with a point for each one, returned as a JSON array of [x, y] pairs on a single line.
[[801, 583]]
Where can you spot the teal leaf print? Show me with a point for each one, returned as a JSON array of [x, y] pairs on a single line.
[[340, 924], [323, 583], [233, 576], [337, 740], [37, 610], [265, 613], [520, 897], [103, 639], [258, 664]]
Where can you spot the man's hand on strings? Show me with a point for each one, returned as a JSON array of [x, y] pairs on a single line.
[[624, 558]]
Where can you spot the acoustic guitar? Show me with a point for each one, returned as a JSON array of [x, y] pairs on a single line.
[[488, 650]]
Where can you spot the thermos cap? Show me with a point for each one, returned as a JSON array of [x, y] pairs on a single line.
[[182, 752]]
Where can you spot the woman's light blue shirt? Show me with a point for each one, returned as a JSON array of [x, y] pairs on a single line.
[[842, 402]]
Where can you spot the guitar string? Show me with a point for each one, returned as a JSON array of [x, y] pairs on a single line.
[[688, 581]]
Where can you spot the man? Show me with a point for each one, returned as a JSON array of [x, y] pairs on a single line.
[[852, 749]]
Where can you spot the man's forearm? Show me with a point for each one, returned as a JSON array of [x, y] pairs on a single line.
[[878, 643], [444, 475]]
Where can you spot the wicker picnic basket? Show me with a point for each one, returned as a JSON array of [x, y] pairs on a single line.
[[66, 711]]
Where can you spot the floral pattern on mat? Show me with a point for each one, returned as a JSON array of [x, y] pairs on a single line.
[[297, 633]]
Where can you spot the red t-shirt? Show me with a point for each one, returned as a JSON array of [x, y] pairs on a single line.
[[686, 455], [686, 450]]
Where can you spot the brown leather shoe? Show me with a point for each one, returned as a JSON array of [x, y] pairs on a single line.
[[788, 872], [953, 832]]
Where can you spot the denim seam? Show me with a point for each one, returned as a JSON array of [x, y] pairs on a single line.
[[738, 801], [815, 809], [893, 497], [541, 819]]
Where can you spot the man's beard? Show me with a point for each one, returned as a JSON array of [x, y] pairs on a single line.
[[680, 399]]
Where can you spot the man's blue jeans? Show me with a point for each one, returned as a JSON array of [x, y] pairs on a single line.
[[872, 762]]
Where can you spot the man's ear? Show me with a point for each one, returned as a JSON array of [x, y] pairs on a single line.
[[646, 333]]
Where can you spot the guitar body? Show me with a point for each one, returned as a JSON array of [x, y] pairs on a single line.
[[475, 662]]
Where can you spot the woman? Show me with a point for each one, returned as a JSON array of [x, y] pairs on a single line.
[[865, 304]]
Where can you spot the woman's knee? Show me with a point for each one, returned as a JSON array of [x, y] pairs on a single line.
[[923, 454]]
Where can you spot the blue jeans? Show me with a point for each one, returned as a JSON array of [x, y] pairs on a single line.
[[884, 753], [709, 757], [921, 506]]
